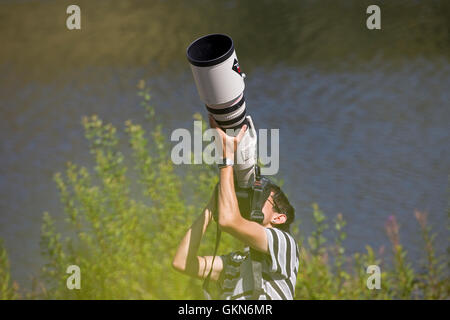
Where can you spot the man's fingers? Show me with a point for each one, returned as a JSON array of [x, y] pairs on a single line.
[[213, 124], [212, 121], [229, 142], [241, 133]]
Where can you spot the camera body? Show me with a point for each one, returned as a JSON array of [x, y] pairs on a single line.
[[251, 200]]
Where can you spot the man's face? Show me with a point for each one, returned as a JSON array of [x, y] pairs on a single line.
[[271, 216]]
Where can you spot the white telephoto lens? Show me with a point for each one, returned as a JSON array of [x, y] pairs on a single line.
[[220, 85]]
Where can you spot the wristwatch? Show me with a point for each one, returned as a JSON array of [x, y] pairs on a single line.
[[225, 163]]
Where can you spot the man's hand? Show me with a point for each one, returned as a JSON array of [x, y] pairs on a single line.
[[228, 143]]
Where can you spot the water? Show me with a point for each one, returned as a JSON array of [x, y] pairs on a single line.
[[363, 115]]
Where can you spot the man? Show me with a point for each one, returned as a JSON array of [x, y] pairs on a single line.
[[270, 240]]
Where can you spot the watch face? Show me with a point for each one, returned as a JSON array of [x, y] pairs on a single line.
[[226, 162]]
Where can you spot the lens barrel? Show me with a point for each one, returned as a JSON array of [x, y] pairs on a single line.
[[220, 85], [219, 80]]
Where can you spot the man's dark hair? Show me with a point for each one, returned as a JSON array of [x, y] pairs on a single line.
[[282, 206], [281, 202]]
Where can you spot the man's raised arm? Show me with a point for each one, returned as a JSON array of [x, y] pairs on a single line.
[[186, 259], [229, 216]]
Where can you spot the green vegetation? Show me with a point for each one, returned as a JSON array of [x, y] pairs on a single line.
[[7, 290], [123, 240], [327, 273]]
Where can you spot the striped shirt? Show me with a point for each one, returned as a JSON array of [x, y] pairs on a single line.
[[279, 270]]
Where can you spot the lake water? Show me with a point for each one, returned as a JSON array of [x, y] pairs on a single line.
[[363, 115]]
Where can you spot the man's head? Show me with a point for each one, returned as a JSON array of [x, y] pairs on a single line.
[[274, 205], [277, 210]]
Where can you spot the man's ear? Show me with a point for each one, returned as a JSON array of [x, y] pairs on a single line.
[[280, 218]]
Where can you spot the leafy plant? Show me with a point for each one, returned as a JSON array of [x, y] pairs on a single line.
[[7, 290], [124, 241]]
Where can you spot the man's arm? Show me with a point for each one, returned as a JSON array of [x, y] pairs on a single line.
[[186, 260], [229, 216], [230, 219]]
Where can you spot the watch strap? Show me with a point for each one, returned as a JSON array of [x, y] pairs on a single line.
[[225, 163]]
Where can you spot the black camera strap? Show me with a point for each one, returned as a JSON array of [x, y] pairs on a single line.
[[257, 216], [218, 234], [256, 259], [208, 278]]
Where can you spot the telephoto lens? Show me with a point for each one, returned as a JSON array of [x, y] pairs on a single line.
[[220, 85]]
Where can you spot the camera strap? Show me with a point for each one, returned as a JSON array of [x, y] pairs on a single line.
[[256, 259], [258, 197]]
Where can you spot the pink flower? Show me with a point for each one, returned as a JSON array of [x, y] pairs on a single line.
[[392, 230]]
